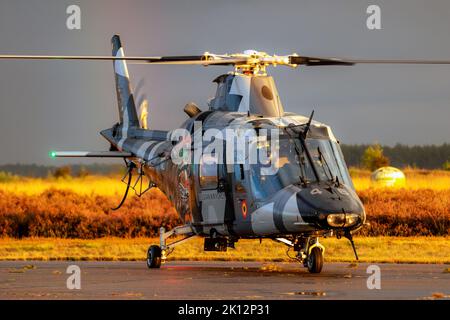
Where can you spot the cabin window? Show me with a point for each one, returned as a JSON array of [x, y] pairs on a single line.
[[208, 172]]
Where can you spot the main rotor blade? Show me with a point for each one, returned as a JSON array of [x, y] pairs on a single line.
[[187, 60], [226, 60], [314, 61], [399, 61]]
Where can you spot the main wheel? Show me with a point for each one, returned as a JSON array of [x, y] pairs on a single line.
[[314, 261], [154, 256]]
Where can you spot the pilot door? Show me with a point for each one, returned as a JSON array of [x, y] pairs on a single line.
[[212, 196]]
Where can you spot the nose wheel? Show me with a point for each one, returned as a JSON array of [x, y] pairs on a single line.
[[314, 257], [309, 251], [314, 261]]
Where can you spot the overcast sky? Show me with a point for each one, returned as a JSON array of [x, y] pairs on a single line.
[[63, 105]]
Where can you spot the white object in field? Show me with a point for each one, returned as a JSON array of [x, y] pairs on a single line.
[[388, 177]]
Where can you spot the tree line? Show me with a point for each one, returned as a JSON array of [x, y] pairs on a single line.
[[361, 155], [424, 157], [76, 170]]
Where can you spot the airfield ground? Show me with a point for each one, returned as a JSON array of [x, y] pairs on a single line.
[[220, 280]]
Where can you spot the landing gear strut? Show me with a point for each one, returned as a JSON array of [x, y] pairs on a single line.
[[309, 252], [156, 255]]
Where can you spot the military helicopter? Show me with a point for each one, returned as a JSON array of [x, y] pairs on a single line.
[[308, 195]]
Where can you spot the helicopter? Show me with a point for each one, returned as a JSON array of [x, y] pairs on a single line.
[[302, 191]]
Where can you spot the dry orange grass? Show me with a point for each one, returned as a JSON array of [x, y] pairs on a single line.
[[90, 185], [80, 208], [404, 212], [66, 214], [415, 179]]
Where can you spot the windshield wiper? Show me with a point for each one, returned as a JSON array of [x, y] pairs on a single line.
[[299, 154], [324, 162], [306, 125], [302, 137]]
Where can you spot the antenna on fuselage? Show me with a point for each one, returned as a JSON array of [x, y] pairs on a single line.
[[349, 236], [308, 124]]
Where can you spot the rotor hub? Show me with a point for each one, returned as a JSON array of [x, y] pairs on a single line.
[[253, 62]]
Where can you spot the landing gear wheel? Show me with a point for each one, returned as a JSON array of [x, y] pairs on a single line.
[[154, 257], [314, 262]]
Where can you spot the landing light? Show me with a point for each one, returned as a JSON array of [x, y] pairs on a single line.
[[342, 219]]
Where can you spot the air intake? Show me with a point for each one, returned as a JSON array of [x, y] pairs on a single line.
[[191, 109]]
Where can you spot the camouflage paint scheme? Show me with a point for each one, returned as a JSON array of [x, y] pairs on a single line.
[[230, 209]]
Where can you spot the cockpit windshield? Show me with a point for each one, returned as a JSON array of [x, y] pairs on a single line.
[[328, 160], [293, 165]]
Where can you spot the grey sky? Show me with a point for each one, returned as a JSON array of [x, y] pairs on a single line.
[[62, 105]]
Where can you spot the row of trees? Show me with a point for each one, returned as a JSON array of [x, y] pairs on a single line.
[[365, 156], [76, 170], [375, 156]]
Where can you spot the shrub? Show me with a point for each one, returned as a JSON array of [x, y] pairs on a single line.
[[446, 165], [6, 177], [62, 172], [373, 158]]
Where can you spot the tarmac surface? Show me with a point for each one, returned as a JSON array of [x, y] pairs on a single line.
[[220, 280]]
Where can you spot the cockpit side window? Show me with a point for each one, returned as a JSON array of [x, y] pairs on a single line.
[[342, 166], [208, 173], [328, 160]]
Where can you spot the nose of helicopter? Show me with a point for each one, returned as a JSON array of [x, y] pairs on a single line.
[[297, 208], [330, 205]]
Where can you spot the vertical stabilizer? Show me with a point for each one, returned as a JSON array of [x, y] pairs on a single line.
[[125, 99]]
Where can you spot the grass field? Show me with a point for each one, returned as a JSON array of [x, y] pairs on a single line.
[[81, 208], [415, 179], [90, 185], [370, 249], [112, 186], [67, 214], [47, 212]]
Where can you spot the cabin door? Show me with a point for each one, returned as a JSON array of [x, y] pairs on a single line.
[[212, 197]]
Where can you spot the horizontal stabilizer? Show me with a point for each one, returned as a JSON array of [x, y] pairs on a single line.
[[90, 154]]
